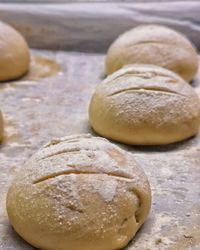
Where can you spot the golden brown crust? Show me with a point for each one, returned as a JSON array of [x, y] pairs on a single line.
[[145, 105], [154, 44], [14, 54], [79, 192]]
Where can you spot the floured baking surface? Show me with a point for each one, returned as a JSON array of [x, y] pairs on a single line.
[[35, 111]]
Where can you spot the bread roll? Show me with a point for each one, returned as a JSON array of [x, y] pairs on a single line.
[[145, 105], [154, 44], [1, 127], [14, 54], [79, 193]]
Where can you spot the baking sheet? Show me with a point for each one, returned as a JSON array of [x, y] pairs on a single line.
[[38, 108]]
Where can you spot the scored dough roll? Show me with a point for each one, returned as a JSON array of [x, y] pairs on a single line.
[[145, 105], [154, 44], [14, 53], [79, 193]]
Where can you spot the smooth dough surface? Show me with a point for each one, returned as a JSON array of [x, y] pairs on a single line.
[[79, 193], [145, 105], [14, 53], [154, 44]]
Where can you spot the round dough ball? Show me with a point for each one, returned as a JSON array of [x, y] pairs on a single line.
[[14, 53], [79, 193], [154, 44], [1, 127], [145, 105]]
